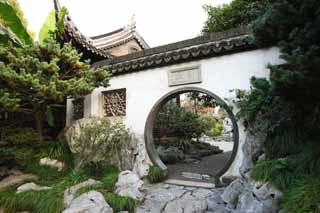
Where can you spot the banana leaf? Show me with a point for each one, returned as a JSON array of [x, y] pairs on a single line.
[[12, 21]]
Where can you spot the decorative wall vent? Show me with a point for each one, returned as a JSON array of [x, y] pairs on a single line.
[[78, 108], [114, 103]]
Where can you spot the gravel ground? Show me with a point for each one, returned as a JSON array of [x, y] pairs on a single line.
[[209, 165]]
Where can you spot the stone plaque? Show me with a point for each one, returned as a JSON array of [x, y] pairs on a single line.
[[185, 75]]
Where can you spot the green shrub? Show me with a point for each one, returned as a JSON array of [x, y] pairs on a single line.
[[94, 169], [156, 174], [217, 128], [181, 143], [116, 202], [98, 140], [20, 136], [236, 13], [13, 202], [47, 174], [110, 178], [175, 121], [121, 203], [303, 196], [277, 172], [107, 185], [49, 201], [60, 150]]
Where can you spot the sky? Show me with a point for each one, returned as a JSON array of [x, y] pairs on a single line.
[[158, 21]]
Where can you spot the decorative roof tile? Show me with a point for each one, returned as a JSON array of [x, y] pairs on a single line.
[[97, 47], [210, 45]]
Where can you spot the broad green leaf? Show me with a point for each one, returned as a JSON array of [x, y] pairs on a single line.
[[60, 23], [7, 36], [48, 27], [12, 21]]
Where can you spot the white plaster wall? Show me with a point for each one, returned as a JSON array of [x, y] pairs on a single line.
[[219, 75]]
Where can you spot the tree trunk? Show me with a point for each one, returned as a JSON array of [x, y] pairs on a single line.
[[178, 100], [39, 124]]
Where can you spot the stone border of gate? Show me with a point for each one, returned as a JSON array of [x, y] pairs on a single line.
[[148, 133]]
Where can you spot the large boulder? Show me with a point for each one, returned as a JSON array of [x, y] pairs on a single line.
[[16, 180], [244, 195], [129, 184], [70, 193], [141, 162], [170, 154], [90, 202], [264, 191], [232, 192], [248, 203], [52, 163], [31, 187], [252, 149]]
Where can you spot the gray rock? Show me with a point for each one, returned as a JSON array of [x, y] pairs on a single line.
[[52, 163], [248, 203], [129, 184], [186, 204], [141, 165], [170, 154], [91, 202], [264, 191], [157, 197], [232, 192], [262, 157], [252, 149], [219, 209], [201, 193], [31, 186], [70, 193], [215, 201], [16, 180]]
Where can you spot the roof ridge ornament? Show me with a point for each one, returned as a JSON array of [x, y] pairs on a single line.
[[57, 5], [132, 26]]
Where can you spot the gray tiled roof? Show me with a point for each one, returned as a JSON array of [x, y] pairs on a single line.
[[99, 46], [210, 45]]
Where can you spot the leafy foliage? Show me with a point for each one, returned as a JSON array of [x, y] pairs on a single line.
[[48, 27], [109, 179], [276, 171], [11, 18], [285, 107], [50, 201], [156, 174], [237, 13], [99, 139], [297, 176], [303, 196], [121, 203], [38, 76], [19, 136], [173, 120]]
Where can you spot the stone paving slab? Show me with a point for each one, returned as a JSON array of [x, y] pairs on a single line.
[[171, 198], [190, 183]]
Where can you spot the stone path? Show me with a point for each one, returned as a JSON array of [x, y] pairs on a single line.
[[209, 165], [166, 198]]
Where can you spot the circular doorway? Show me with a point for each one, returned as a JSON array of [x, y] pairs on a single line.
[[154, 138]]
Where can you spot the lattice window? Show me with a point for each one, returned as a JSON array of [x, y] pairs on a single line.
[[114, 103], [78, 108]]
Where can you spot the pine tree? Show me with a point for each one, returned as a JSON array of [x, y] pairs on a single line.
[[35, 77]]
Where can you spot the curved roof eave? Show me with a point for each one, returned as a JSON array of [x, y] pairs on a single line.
[[72, 34]]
